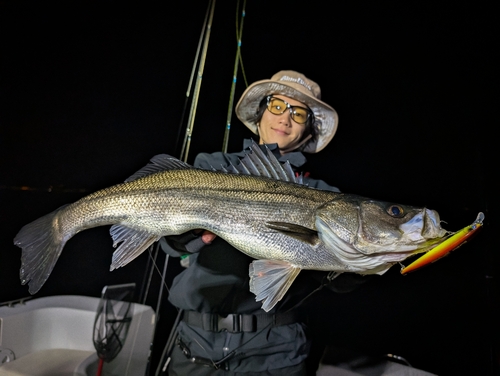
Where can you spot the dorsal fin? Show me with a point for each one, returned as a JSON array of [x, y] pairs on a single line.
[[257, 163], [160, 162]]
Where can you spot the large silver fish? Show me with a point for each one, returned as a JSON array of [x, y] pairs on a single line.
[[257, 206]]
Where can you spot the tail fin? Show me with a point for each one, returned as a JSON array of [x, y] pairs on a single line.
[[41, 248]]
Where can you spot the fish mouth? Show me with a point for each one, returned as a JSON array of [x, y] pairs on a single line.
[[423, 227]]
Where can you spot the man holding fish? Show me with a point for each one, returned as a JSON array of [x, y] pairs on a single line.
[[223, 329]]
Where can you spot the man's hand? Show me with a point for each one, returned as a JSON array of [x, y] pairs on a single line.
[[207, 237]]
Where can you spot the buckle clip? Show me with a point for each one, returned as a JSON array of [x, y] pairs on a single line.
[[230, 323]]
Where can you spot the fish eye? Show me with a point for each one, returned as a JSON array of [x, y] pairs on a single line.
[[396, 211]]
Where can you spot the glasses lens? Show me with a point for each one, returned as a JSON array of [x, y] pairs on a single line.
[[276, 106], [300, 114]]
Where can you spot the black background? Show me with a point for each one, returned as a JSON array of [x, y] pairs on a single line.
[[90, 91]]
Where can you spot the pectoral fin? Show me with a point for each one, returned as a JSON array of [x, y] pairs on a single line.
[[270, 280], [133, 244], [298, 232]]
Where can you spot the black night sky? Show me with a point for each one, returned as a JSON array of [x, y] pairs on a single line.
[[90, 91]]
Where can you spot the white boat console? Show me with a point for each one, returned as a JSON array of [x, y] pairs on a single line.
[[53, 336]]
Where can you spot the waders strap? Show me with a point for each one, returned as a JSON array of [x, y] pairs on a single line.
[[237, 323]]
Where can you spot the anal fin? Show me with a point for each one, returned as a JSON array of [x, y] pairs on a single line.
[[270, 280], [133, 243]]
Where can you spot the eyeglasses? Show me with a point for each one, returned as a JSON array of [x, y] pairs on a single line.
[[278, 106]]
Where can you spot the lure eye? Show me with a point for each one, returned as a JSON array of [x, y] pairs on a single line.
[[396, 211]]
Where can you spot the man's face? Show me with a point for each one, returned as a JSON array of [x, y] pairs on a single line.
[[281, 129]]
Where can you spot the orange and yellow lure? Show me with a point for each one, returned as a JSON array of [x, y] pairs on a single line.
[[441, 250]]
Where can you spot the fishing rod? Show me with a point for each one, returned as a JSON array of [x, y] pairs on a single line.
[[191, 77], [237, 62], [189, 129]]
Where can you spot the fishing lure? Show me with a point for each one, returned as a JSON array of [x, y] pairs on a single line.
[[453, 242]]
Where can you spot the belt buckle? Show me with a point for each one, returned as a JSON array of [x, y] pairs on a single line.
[[230, 323]]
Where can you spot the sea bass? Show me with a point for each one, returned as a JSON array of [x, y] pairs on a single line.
[[258, 206]]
